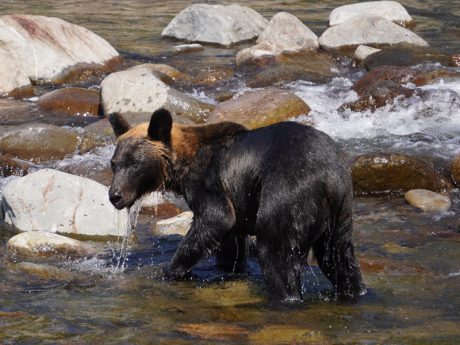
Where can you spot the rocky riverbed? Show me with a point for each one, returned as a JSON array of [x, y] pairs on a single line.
[[374, 78]]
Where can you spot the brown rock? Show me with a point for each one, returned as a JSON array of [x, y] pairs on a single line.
[[310, 65], [72, 101], [454, 60], [12, 166], [215, 331], [37, 142], [164, 210], [392, 173], [405, 55], [455, 171], [260, 108], [378, 95]]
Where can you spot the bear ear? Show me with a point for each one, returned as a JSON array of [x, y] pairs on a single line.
[[160, 126], [119, 124]]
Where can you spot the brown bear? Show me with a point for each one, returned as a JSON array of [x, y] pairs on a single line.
[[285, 183]]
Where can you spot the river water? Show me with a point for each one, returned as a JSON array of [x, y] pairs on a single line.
[[410, 260]]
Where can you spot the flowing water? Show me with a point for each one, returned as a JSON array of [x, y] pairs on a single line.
[[410, 259]]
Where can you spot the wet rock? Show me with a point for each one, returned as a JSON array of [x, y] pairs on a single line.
[[286, 334], [367, 30], [455, 171], [37, 142], [52, 50], [164, 210], [146, 93], [405, 55], [284, 34], [72, 101], [214, 331], [362, 52], [91, 169], [14, 81], [187, 48], [427, 200], [392, 173], [402, 75], [317, 67], [390, 10], [178, 225], [260, 108], [45, 271], [211, 77], [378, 95], [11, 166], [454, 60], [54, 201], [228, 294], [97, 134], [224, 25], [44, 244]]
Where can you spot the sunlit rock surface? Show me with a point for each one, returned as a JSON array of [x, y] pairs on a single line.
[[54, 201], [225, 25], [367, 30], [44, 244], [14, 80], [427, 200], [390, 10], [50, 49]]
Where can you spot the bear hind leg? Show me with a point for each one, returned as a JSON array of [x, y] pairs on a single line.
[[233, 252]]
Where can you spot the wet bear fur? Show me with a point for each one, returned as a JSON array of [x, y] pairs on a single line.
[[285, 183]]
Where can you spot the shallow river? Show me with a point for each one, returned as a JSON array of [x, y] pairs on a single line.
[[410, 259]]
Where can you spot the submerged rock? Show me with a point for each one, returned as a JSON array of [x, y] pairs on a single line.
[[178, 225], [284, 34], [367, 30], [214, 331], [219, 24], [37, 142], [72, 101], [45, 271], [390, 10], [260, 108], [427, 200], [14, 81], [11, 166], [187, 48], [54, 201], [392, 173], [140, 90], [44, 244], [51, 49]]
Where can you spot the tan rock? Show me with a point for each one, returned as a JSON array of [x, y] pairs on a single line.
[[178, 225], [260, 108], [427, 200]]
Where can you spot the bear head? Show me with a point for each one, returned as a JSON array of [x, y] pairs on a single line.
[[142, 158]]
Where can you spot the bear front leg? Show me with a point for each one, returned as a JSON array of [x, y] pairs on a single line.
[[209, 227]]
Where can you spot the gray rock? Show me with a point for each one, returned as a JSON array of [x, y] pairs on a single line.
[[178, 225], [367, 30], [284, 34], [45, 244], [48, 48], [390, 10], [140, 90], [14, 78], [427, 200], [363, 52], [54, 201], [225, 25]]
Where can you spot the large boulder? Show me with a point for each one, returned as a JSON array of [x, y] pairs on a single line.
[[72, 101], [393, 173], [38, 142], [140, 90], [51, 49], [390, 10], [54, 201], [218, 24], [368, 30], [14, 81], [35, 244], [260, 108], [284, 34]]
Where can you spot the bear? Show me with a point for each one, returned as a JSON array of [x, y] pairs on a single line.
[[286, 184]]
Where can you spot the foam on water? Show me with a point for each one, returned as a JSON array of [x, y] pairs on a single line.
[[432, 118]]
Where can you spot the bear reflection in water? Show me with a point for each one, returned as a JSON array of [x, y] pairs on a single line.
[[286, 184]]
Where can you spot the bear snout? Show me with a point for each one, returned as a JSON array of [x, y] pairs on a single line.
[[116, 198]]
